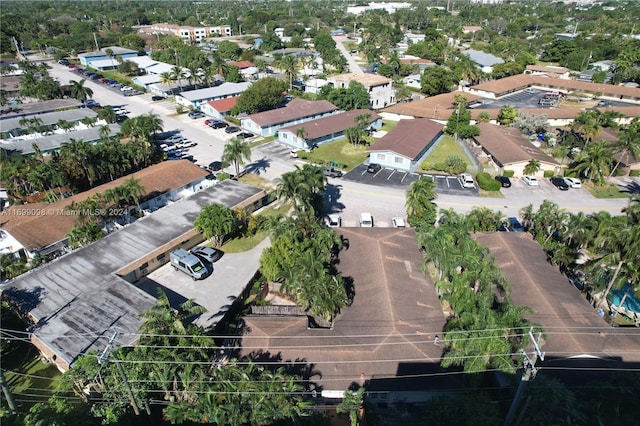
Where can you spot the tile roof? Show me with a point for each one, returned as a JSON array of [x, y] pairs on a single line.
[[507, 145], [41, 230], [296, 109], [571, 324], [436, 107], [241, 64], [332, 124], [386, 332], [224, 105], [409, 137]]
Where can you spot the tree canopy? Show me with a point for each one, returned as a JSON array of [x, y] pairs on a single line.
[[264, 94]]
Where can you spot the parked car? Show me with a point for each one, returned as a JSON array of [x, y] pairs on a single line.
[[573, 182], [466, 181], [207, 254], [505, 182], [217, 124], [366, 220], [331, 172], [232, 129], [530, 180], [182, 260], [245, 135], [293, 153], [398, 222], [90, 103], [174, 139], [196, 114], [374, 167], [158, 98], [334, 220], [215, 166], [559, 183], [512, 224], [186, 143]]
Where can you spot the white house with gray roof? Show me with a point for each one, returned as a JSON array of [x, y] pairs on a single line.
[[484, 60], [195, 98]]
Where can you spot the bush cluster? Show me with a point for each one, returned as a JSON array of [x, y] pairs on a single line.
[[453, 165], [548, 173], [508, 173], [486, 182]]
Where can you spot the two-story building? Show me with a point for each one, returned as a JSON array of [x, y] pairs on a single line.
[[297, 111], [185, 32], [380, 88]]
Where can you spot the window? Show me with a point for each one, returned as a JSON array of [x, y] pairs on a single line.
[[160, 257], [398, 160], [145, 265]]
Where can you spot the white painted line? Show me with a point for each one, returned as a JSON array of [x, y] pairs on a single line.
[[391, 174]]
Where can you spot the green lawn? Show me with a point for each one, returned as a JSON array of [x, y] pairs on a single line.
[[447, 146], [605, 191], [342, 152], [242, 244], [388, 125]]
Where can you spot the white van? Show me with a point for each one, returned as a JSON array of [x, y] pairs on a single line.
[[466, 181], [366, 220]]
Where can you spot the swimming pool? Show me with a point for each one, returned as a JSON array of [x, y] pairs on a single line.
[[631, 303]]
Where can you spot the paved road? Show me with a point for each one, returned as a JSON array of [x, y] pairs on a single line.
[[354, 67]]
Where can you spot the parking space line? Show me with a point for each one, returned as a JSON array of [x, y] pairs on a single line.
[[391, 174], [403, 177]]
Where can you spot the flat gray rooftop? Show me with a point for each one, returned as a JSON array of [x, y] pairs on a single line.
[[78, 300], [53, 142], [48, 118]]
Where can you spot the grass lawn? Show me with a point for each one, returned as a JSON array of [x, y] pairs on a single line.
[[605, 191], [388, 125], [21, 363], [262, 141], [257, 181], [342, 152], [242, 244], [446, 147]]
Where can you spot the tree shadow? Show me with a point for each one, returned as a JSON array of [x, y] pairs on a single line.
[[258, 166], [630, 188], [299, 367], [24, 300], [332, 196]]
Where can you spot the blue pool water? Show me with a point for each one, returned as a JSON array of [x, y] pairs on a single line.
[[631, 303]]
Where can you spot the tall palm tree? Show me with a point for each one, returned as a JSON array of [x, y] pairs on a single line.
[[629, 143], [236, 151], [419, 205], [595, 162], [166, 78], [79, 91], [178, 74], [290, 65], [219, 65], [587, 124]]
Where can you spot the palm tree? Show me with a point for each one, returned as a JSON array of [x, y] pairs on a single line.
[[133, 190], [595, 162], [166, 78], [629, 143], [219, 65], [79, 91], [419, 203], [290, 66], [586, 123], [235, 152], [178, 74], [532, 167]]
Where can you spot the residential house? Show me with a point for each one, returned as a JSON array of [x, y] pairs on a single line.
[[404, 147], [627, 161], [411, 38], [327, 129], [100, 60], [484, 60], [219, 108], [420, 63], [196, 98], [48, 232], [413, 80], [313, 85], [471, 29], [34, 108], [505, 148], [15, 126], [548, 71], [297, 111], [247, 69], [185, 32], [380, 88], [77, 301]]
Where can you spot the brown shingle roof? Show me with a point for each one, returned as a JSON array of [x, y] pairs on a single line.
[[40, 224], [296, 109], [437, 107], [332, 124], [571, 324], [409, 137], [388, 328], [507, 145]]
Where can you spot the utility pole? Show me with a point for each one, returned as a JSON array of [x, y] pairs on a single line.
[[528, 374], [7, 394], [104, 356], [96, 40]]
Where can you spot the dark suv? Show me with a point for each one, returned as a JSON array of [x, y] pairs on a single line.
[[374, 168], [559, 183], [505, 182]]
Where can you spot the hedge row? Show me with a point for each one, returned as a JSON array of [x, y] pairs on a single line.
[[486, 182]]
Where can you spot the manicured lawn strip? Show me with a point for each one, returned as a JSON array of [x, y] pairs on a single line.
[[447, 146], [342, 152], [605, 191], [257, 181], [388, 125], [242, 244]]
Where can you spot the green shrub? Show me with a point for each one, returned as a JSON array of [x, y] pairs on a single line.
[[180, 109], [548, 173], [441, 167], [454, 164], [508, 173], [486, 182], [303, 155], [634, 172], [222, 176], [425, 165]]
